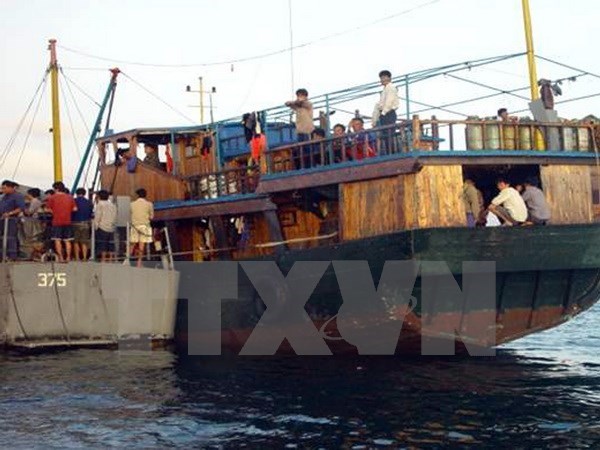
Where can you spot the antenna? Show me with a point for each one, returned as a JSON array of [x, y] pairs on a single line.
[[291, 46]]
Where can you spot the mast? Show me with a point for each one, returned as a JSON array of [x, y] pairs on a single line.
[[530, 52], [110, 93], [55, 112]]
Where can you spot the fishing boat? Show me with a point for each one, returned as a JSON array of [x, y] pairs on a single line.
[[47, 304], [310, 202]]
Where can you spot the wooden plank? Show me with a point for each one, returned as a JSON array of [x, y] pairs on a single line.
[[433, 197], [568, 191], [372, 208], [365, 170], [160, 185], [240, 206]]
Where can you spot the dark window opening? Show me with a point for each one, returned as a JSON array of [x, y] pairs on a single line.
[[485, 177]]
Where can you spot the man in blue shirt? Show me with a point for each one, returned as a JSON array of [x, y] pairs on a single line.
[[12, 204], [81, 225]]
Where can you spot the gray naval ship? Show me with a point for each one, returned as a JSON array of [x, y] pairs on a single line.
[[46, 304]]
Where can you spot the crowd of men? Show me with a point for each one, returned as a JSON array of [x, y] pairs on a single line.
[[359, 144], [524, 204], [62, 224]]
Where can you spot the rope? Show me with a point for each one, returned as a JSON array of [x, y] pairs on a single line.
[[104, 305], [258, 56], [266, 245], [476, 83], [37, 108], [62, 316], [80, 89], [75, 102], [12, 139], [158, 98], [14, 302], [72, 127]]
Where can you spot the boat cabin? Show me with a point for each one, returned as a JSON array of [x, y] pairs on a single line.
[[224, 204]]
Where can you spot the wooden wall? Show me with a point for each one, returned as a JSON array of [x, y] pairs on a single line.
[[429, 198], [433, 197], [568, 191], [159, 185], [195, 163], [298, 224], [369, 208]]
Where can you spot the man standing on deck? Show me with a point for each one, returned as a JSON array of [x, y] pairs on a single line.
[[473, 200], [81, 225], [12, 204], [105, 219], [385, 109], [62, 205], [384, 113], [304, 115], [142, 212]]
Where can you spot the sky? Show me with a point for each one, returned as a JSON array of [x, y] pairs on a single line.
[[341, 43]]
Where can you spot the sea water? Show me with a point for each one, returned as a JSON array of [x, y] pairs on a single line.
[[541, 391]]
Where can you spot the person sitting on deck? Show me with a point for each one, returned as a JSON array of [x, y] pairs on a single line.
[[473, 200], [361, 143], [317, 147], [339, 142], [508, 205], [151, 158], [538, 211], [504, 117]]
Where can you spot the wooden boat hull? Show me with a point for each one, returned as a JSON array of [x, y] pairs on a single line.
[[544, 277]]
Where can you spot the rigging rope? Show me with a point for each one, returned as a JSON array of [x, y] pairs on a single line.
[[262, 55], [172, 108], [71, 122], [68, 82], [37, 108], [80, 89], [13, 138]]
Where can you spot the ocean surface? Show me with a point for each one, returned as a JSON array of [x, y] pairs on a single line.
[[542, 391]]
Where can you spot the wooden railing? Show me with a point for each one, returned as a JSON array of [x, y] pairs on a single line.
[[403, 137], [494, 135]]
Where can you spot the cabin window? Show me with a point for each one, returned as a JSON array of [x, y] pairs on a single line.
[[190, 151]]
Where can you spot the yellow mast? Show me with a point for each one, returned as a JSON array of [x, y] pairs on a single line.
[[530, 52], [55, 112]]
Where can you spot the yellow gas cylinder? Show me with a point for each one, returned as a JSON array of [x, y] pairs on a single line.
[[509, 135], [492, 134], [583, 138], [474, 132]]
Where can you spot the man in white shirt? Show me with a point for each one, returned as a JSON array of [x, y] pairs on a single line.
[[105, 219], [508, 205], [385, 108], [142, 212], [385, 111]]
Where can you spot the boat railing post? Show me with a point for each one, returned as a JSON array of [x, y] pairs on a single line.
[[93, 242], [127, 245], [169, 250], [5, 239]]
